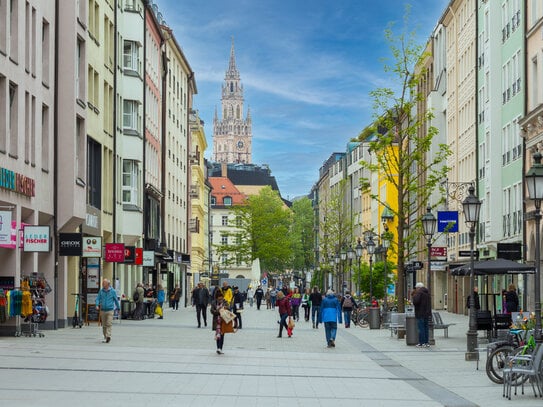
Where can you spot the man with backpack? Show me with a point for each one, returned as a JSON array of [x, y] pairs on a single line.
[[347, 305]]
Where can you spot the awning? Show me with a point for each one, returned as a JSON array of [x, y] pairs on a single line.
[[493, 267]]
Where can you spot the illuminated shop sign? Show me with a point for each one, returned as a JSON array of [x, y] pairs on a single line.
[[16, 182]]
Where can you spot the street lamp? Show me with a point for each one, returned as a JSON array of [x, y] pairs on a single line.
[[350, 256], [370, 247], [472, 207], [343, 256], [385, 242], [338, 266], [534, 184], [332, 261], [429, 223], [359, 248]]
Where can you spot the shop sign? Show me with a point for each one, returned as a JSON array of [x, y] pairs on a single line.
[[129, 254], [138, 256], [12, 242], [92, 246], [148, 258], [69, 244], [19, 183], [36, 239], [5, 227], [436, 251], [115, 252], [447, 221]]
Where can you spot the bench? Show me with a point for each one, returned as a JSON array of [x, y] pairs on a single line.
[[397, 321], [439, 324]]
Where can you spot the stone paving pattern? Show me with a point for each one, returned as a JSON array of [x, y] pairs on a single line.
[[171, 362]]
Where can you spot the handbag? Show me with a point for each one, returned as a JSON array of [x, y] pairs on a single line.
[[227, 327]]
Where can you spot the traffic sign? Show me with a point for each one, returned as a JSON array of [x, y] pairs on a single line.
[[417, 265]]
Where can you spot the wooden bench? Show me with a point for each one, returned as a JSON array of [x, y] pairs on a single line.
[[397, 321], [439, 324]]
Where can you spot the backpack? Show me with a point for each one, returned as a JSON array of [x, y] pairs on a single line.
[[347, 302], [136, 296]]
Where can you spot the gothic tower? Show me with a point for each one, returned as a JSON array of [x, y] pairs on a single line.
[[232, 135]]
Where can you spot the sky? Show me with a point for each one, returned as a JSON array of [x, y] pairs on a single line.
[[307, 68]]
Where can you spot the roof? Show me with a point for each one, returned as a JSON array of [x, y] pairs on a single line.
[[222, 187]]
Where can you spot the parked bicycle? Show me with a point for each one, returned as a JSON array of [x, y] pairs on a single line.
[[519, 342], [360, 315]]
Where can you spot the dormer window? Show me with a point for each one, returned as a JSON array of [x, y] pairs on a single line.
[[227, 201]]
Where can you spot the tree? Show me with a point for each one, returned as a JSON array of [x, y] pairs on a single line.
[[400, 148], [302, 234], [260, 230]]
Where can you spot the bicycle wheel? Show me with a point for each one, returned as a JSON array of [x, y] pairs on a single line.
[[362, 320], [496, 362]]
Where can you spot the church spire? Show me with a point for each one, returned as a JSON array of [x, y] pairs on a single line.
[[232, 69]]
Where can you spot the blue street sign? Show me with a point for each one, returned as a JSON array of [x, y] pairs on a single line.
[[447, 221], [264, 281]]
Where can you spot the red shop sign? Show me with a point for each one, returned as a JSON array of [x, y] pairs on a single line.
[[115, 252]]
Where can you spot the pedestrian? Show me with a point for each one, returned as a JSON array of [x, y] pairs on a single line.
[[285, 311], [259, 294], [295, 302], [219, 326], [267, 298], [106, 303], [273, 297], [227, 293], [330, 315], [200, 299], [306, 304], [423, 313], [238, 305], [475, 299], [160, 297], [511, 299], [174, 298], [347, 305], [316, 299], [250, 295], [138, 298]]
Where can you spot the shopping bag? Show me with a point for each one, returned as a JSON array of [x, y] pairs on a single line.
[[158, 310], [227, 316], [291, 323]]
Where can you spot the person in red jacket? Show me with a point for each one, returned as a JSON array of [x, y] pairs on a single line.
[[285, 311]]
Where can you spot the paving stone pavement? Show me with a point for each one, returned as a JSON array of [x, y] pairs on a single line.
[[172, 362]]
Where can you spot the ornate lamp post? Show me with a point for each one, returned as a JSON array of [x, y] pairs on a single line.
[[338, 261], [385, 242], [429, 223], [350, 256], [343, 256], [332, 261], [370, 247], [534, 184], [359, 248], [472, 207]]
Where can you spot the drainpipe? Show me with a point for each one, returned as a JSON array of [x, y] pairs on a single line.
[[55, 168]]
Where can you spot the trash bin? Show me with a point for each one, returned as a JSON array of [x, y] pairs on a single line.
[[375, 318], [126, 309], [411, 330]]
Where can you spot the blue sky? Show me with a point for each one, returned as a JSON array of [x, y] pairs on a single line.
[[307, 67]]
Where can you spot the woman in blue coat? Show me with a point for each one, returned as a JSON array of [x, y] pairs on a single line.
[[330, 315]]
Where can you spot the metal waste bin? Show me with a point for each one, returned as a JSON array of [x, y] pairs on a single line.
[[411, 330], [375, 318], [126, 309]]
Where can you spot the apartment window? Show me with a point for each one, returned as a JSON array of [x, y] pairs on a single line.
[[131, 56], [3, 118], [33, 130], [80, 70], [45, 50], [130, 5], [94, 171], [13, 118], [227, 201], [130, 182], [28, 37], [80, 149], [109, 38], [108, 108], [130, 115], [224, 240], [93, 83], [224, 220], [14, 29], [45, 137], [3, 26], [213, 200]]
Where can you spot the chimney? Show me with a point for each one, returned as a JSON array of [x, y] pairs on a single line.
[[224, 170]]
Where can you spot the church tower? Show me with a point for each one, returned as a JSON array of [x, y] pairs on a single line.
[[232, 135]]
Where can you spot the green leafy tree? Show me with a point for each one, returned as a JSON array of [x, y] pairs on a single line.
[[303, 234], [260, 230], [400, 141]]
